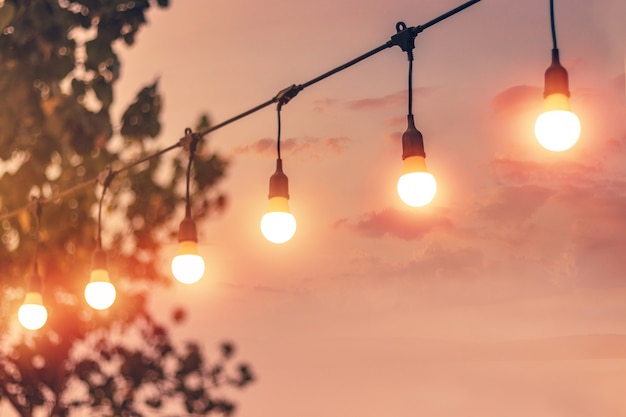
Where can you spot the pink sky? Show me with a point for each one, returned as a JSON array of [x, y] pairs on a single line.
[[505, 297]]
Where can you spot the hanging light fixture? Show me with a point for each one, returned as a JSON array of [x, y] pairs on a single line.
[[100, 292], [278, 225], [557, 129], [188, 265], [32, 314], [416, 187]]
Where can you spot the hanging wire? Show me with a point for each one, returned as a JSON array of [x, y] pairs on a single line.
[[192, 141], [552, 25], [278, 109], [37, 214], [410, 54], [105, 185], [283, 96]]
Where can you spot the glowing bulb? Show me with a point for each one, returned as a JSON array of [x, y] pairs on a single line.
[[187, 265], [278, 225], [557, 129], [99, 292], [416, 187], [32, 313]]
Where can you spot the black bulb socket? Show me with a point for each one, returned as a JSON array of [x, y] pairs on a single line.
[[412, 140], [279, 184], [187, 231], [99, 259], [556, 78], [34, 281]]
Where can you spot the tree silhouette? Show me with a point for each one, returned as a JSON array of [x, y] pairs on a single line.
[[58, 69]]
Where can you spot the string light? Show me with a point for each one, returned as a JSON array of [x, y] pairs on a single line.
[[278, 225], [99, 291], [557, 128], [32, 314], [416, 187], [188, 266]]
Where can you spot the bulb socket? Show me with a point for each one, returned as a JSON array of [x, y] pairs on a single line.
[[279, 184], [99, 259], [412, 140], [187, 231], [34, 282], [556, 78]]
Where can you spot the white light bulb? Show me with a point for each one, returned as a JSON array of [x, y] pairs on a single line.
[[557, 129], [416, 187], [32, 314], [187, 266], [99, 292], [278, 225]]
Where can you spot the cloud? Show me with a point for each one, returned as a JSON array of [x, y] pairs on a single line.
[[394, 138], [514, 204], [313, 146], [389, 101], [558, 174], [323, 106], [565, 213], [441, 262], [516, 99], [618, 84], [406, 225], [396, 122]]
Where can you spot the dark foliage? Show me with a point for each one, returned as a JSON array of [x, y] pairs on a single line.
[[58, 68]]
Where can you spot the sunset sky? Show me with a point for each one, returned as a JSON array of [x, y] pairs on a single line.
[[505, 297]]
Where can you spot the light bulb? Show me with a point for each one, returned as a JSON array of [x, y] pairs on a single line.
[[416, 187], [99, 292], [557, 129], [278, 225], [32, 314], [187, 265]]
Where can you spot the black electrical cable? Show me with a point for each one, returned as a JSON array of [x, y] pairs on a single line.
[[278, 109], [552, 25], [410, 83], [107, 181], [37, 216], [193, 144]]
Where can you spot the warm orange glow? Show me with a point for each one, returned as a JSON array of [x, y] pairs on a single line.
[[416, 187], [278, 225], [557, 129], [99, 292], [187, 266], [32, 313]]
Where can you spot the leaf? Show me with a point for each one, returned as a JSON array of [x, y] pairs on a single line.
[[154, 402], [98, 51], [7, 12], [141, 119], [79, 88], [227, 350], [104, 92]]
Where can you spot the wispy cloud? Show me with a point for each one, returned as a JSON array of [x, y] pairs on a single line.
[[314, 146], [407, 225], [325, 105], [516, 99], [389, 101]]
